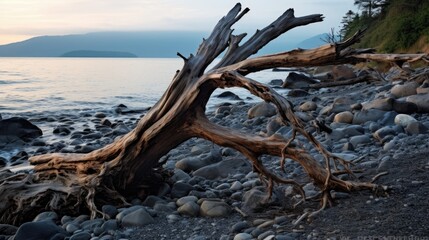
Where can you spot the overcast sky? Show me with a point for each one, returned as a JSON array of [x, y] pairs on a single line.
[[22, 19]]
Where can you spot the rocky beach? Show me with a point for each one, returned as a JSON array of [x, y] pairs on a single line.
[[381, 125]]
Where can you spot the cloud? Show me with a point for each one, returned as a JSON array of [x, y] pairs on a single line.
[[42, 17]]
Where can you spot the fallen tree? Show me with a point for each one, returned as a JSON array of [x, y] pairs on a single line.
[[71, 183]]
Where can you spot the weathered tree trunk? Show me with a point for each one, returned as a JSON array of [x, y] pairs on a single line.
[[71, 183]]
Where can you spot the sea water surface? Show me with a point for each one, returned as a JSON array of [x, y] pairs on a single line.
[[34, 88], [73, 84]]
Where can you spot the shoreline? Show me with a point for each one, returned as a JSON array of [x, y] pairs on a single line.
[[224, 178]]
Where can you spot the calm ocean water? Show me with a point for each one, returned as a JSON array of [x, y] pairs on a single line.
[[53, 86], [73, 84]]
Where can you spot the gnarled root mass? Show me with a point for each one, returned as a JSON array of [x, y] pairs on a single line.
[[75, 183]]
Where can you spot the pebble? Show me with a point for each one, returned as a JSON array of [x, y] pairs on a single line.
[[404, 107], [191, 209], [421, 101], [81, 236], [110, 211], [262, 109], [39, 230], [404, 90], [137, 218], [61, 130], [214, 209], [236, 186], [254, 198], [266, 235], [243, 236], [308, 106], [172, 218], [238, 227], [344, 117], [362, 139], [381, 133], [364, 116], [276, 82], [404, 119], [183, 200], [180, 189], [99, 115], [415, 128], [50, 216], [385, 104]]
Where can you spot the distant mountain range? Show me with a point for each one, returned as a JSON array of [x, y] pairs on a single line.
[[160, 44], [313, 42]]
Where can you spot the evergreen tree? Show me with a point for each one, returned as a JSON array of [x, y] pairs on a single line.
[[371, 8]]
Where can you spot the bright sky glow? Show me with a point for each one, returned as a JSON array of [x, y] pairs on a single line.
[[22, 19]]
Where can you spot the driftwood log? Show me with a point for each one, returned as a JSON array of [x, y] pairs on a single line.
[[73, 183]]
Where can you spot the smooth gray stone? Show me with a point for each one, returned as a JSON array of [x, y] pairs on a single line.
[[308, 106], [381, 133], [65, 219], [273, 125], [162, 207], [404, 90], [110, 225], [46, 216], [61, 130], [357, 140], [180, 175], [214, 209], [107, 237], [183, 200], [364, 116], [276, 82], [137, 218], [403, 120], [238, 227], [125, 211], [298, 81], [81, 236], [151, 200], [388, 118], [80, 219], [404, 107], [262, 236], [72, 227], [228, 95], [254, 198], [38, 230], [91, 224], [19, 127], [110, 211], [190, 208], [385, 104], [223, 169], [99, 115], [262, 109], [243, 236], [180, 189], [416, 128], [421, 100]]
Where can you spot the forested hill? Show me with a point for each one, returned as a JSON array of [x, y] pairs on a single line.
[[393, 25]]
